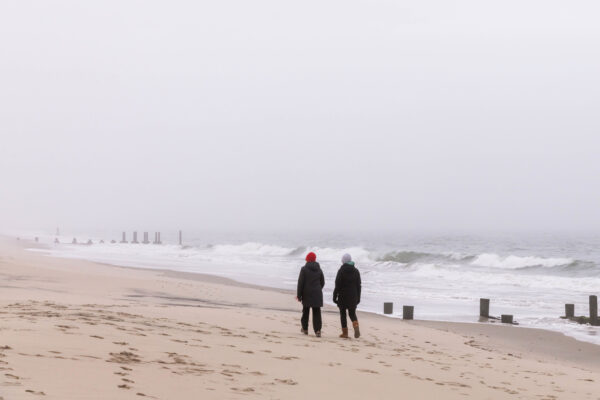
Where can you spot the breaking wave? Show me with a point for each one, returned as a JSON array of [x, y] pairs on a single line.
[[516, 262], [415, 258], [253, 249]]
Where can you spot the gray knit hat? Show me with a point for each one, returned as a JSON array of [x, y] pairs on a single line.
[[346, 258]]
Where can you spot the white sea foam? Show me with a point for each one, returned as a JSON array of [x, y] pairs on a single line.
[[330, 254], [516, 262], [252, 248]]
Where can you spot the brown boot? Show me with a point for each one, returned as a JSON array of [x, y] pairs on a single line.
[[356, 330], [344, 333]]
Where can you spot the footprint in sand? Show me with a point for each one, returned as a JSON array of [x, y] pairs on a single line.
[[230, 373], [248, 389], [287, 381], [66, 327], [368, 371], [34, 392], [288, 358], [87, 356], [124, 357]]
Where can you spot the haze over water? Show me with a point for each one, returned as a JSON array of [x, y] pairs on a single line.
[[266, 116]]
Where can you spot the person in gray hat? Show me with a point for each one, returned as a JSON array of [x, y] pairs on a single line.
[[347, 294]]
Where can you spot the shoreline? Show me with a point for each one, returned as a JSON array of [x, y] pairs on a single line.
[[551, 340], [168, 334], [546, 342], [458, 326]]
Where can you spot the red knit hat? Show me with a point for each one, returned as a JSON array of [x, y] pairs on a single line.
[[311, 257]]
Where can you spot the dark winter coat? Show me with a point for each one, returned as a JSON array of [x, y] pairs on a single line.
[[310, 285], [347, 287]]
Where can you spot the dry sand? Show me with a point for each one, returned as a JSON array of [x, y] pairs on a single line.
[[72, 329]]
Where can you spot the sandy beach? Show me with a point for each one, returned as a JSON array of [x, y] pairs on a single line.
[[71, 329]]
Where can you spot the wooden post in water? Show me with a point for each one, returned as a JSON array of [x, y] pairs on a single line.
[[124, 240], [408, 312], [484, 308], [145, 238], [388, 308], [569, 310], [135, 238], [594, 311], [159, 241], [180, 239], [507, 319]]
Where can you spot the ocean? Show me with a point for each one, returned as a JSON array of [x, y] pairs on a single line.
[[442, 276]]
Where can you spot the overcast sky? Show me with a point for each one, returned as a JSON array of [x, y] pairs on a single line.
[[276, 115]]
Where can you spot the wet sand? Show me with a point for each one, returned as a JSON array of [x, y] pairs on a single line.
[[72, 329]]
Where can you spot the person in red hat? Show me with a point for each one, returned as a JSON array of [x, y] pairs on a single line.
[[310, 293]]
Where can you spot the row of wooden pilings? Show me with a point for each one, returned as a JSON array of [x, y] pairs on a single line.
[[484, 312], [408, 312], [592, 319], [157, 239]]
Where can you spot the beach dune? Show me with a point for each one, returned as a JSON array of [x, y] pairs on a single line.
[[72, 329]]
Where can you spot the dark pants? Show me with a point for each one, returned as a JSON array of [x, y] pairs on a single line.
[[317, 323], [351, 313]]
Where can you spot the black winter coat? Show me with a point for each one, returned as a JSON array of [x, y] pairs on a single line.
[[347, 287], [310, 285]]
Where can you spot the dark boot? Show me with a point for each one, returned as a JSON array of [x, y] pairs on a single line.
[[344, 334], [305, 331], [356, 330], [318, 333]]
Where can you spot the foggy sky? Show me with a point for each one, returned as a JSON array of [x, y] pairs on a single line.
[[274, 115]]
